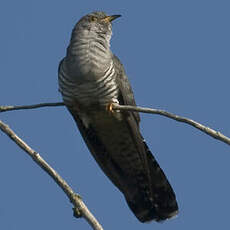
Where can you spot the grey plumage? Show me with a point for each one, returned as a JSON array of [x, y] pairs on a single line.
[[90, 78]]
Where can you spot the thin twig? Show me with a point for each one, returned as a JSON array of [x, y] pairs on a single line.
[[74, 198], [205, 129], [211, 132], [35, 106]]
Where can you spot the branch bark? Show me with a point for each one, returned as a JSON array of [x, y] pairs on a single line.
[[80, 209], [211, 132]]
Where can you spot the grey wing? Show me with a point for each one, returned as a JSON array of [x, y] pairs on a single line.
[[99, 152], [126, 96], [164, 204]]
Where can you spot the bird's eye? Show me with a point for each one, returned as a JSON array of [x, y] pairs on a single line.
[[93, 19]]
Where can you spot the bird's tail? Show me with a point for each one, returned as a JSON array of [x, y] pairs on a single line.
[[160, 202]]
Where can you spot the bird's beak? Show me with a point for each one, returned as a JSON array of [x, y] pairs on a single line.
[[111, 18]]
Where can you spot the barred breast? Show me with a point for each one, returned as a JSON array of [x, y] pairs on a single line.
[[87, 73]]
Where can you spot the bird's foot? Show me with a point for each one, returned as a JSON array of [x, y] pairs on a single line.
[[109, 107]]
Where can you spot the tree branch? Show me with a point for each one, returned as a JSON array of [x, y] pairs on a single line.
[[205, 129], [35, 106], [80, 209], [211, 132]]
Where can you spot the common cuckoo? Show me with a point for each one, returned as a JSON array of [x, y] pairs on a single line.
[[91, 77]]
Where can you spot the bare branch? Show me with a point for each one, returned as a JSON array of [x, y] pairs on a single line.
[[211, 132], [35, 106], [205, 129], [75, 199]]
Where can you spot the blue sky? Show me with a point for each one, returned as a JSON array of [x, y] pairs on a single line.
[[176, 55]]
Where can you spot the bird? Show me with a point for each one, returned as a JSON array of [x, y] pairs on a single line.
[[91, 78]]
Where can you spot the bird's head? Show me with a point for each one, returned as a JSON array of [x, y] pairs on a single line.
[[98, 22]]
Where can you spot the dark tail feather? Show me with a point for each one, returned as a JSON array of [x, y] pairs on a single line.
[[160, 203]]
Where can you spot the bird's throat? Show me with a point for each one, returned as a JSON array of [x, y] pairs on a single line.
[[89, 53]]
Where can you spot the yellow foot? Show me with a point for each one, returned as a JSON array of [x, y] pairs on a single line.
[[109, 107]]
